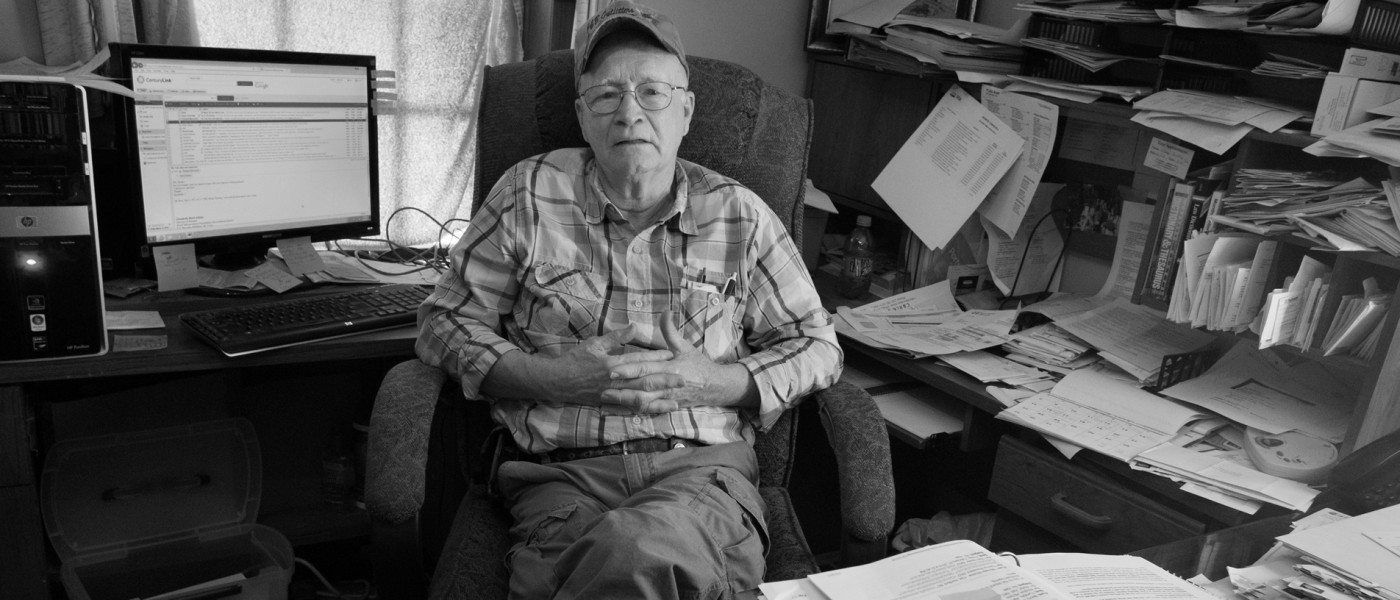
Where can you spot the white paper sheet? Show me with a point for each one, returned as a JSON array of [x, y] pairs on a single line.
[[946, 169], [1134, 225], [1037, 122], [1244, 387], [1028, 260]]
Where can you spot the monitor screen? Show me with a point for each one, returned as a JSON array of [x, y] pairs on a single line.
[[234, 149]]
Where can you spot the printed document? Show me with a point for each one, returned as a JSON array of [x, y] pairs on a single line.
[[1245, 387], [1029, 259], [1134, 337], [1097, 408], [963, 570], [946, 169], [1134, 225], [971, 330], [1037, 122]]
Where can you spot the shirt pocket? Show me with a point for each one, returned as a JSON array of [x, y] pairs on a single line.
[[568, 300], [709, 321]]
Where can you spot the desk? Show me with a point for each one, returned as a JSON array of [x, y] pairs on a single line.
[[29, 394], [1036, 491]]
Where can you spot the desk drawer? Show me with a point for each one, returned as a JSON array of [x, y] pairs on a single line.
[[1086, 510]]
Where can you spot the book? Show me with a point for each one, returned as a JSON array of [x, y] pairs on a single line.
[[964, 569], [1169, 223]]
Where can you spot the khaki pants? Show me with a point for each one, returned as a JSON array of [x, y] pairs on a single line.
[[685, 523]]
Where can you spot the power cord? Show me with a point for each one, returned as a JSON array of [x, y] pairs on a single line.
[[367, 589], [422, 259], [1024, 251]]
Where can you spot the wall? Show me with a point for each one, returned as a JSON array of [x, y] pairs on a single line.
[[768, 36], [19, 31]]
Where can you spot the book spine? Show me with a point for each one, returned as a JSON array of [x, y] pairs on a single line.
[[1157, 290]]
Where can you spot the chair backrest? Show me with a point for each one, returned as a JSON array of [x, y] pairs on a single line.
[[743, 127]]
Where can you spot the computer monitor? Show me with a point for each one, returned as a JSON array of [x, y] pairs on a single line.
[[234, 149]]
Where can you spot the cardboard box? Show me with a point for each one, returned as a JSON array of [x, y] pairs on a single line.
[[1345, 100], [1370, 64], [136, 515]]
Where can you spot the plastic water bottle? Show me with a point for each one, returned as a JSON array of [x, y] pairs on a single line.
[[858, 260]]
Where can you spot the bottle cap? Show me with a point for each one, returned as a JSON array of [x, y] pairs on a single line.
[[863, 221]]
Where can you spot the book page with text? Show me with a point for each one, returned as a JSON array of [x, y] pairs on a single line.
[[952, 570]]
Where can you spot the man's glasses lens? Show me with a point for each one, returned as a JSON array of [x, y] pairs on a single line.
[[605, 99]]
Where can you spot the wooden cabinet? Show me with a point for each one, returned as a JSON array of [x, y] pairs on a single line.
[[861, 119], [1377, 407], [863, 116], [1087, 510]]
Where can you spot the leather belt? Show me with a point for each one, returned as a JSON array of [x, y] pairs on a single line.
[[641, 446]]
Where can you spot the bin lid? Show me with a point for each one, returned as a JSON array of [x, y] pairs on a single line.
[[111, 494]]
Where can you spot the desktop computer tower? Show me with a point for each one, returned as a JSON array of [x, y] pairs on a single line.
[[51, 303]]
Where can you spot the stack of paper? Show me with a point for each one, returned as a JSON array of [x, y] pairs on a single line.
[[1257, 389], [1288, 67], [925, 322], [1217, 467], [1281, 573], [1363, 141], [1222, 281], [1075, 92], [1099, 408], [1134, 337], [1355, 327], [952, 53], [1093, 10], [1362, 552], [1088, 57], [1215, 122], [1351, 215], [1047, 346], [990, 368], [1292, 315]]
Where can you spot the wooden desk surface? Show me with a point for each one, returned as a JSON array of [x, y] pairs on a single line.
[[185, 352]]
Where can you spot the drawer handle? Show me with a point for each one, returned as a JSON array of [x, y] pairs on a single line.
[[1079, 515]]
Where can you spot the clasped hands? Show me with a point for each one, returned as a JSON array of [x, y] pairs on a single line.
[[596, 372]]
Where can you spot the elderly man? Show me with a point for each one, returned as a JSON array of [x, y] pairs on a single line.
[[633, 318]]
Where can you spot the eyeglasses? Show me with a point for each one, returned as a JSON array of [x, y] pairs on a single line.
[[606, 99]]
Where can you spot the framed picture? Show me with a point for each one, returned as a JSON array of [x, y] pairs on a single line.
[[818, 40], [1094, 213]]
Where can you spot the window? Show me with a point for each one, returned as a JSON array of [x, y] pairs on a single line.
[[437, 49]]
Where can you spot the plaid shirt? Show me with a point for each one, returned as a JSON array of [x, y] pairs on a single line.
[[546, 249]]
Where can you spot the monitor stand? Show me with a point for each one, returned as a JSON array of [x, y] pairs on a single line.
[[236, 261]]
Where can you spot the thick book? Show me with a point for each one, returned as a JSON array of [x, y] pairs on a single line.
[[964, 569], [1169, 226]]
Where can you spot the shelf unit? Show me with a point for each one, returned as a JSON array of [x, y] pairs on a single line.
[[864, 115]]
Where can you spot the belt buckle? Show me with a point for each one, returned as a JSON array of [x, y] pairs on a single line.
[[625, 449]]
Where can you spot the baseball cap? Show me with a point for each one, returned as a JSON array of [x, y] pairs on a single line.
[[621, 15]]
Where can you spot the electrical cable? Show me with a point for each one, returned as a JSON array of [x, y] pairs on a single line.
[[331, 590], [1024, 251], [434, 257]]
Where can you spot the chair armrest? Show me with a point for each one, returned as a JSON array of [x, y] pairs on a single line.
[[400, 426], [858, 436]]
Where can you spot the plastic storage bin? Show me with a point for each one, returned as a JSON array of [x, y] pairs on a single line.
[[137, 515]]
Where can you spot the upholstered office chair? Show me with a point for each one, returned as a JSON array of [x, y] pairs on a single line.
[[423, 475]]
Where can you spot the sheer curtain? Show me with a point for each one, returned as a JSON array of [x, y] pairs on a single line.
[[72, 31], [438, 50]]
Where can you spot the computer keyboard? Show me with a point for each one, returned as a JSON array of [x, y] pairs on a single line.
[[246, 329]]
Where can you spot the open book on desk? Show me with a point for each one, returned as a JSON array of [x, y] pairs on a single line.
[[963, 570]]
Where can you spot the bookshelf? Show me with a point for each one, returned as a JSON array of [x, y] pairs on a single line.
[[863, 116]]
